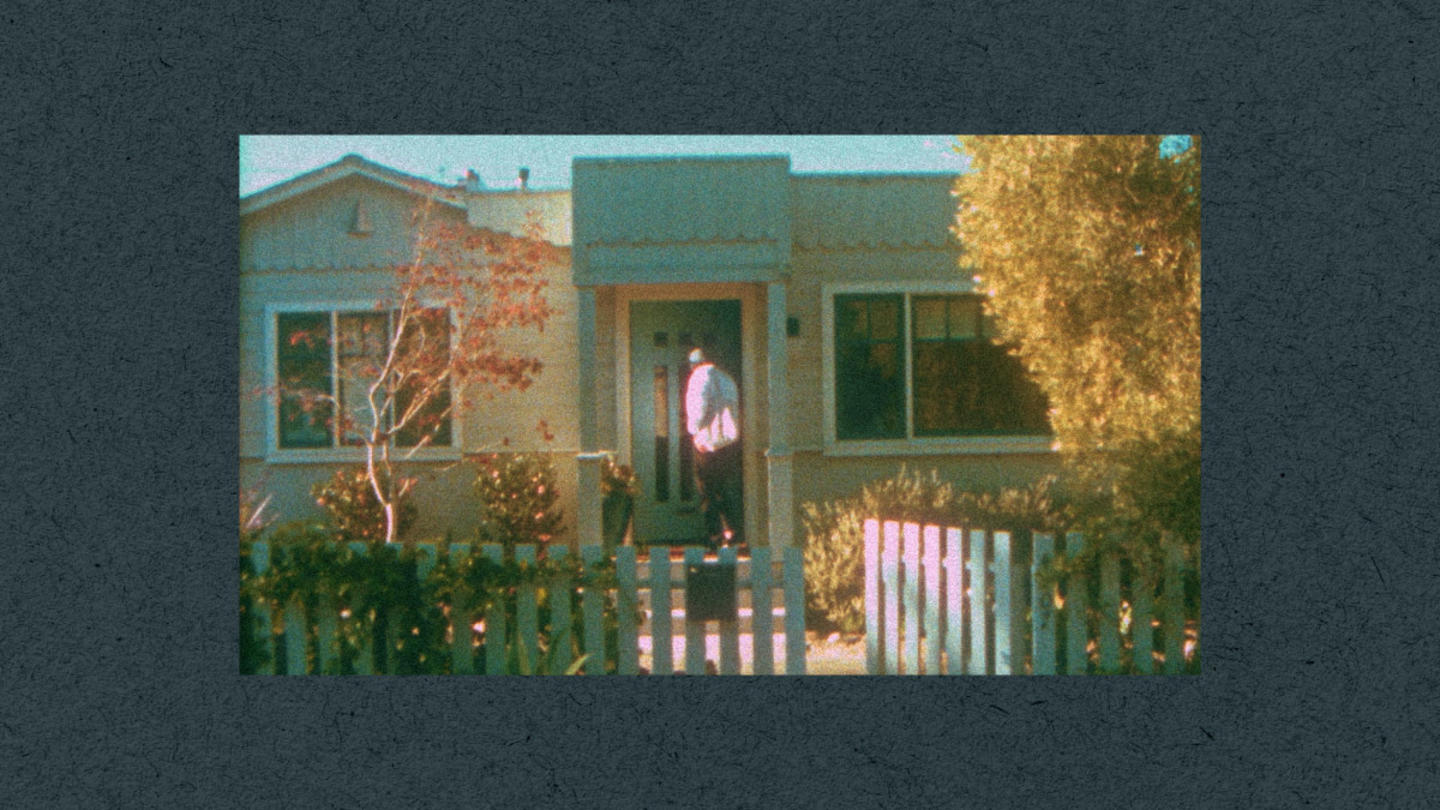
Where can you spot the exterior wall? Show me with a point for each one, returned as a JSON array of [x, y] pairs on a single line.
[[299, 253]]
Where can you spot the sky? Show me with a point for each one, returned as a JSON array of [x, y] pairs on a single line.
[[269, 159]]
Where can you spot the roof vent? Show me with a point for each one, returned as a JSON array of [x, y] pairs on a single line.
[[524, 178], [360, 220]]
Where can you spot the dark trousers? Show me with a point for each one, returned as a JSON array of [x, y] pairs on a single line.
[[718, 480]]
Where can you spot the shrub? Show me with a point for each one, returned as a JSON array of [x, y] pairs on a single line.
[[354, 512], [517, 499]]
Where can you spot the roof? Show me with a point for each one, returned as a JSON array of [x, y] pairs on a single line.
[[844, 211], [349, 166]]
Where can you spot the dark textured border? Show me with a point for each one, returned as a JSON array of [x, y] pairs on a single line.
[[119, 235]]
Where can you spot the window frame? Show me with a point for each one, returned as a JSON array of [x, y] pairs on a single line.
[[911, 444], [274, 453]]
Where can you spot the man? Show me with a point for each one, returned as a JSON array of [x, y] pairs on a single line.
[[712, 409]]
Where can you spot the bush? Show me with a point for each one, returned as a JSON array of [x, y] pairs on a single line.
[[517, 499], [352, 509]]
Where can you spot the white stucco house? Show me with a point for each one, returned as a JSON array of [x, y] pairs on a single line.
[[839, 303]]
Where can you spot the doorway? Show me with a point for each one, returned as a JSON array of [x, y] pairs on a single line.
[[662, 333]]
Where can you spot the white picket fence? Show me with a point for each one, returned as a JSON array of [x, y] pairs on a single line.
[[947, 600], [651, 584]]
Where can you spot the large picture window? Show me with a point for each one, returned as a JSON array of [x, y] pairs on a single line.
[[324, 358], [927, 365]]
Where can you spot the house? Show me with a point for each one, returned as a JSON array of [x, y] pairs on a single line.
[[838, 303]]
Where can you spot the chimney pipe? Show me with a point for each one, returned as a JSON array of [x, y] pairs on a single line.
[[524, 178]]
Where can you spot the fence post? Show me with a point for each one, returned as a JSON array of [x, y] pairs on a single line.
[[260, 563], [497, 650], [560, 603], [1109, 613], [954, 601], [889, 574], [730, 628], [661, 660], [592, 602], [762, 617], [1042, 608], [626, 602], [1076, 657], [979, 629], [874, 665], [932, 599], [911, 559], [694, 630], [794, 610]]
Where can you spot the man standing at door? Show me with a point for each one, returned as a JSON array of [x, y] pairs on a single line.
[[712, 409]]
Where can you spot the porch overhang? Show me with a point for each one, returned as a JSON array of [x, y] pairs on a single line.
[[681, 220]]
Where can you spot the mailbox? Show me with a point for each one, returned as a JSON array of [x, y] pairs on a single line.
[[710, 592]]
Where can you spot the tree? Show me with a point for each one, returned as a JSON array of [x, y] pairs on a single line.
[[443, 330], [1088, 248]]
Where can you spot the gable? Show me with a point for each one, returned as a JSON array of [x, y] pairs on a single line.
[[355, 221]]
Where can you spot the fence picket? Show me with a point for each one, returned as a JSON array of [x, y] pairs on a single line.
[[911, 570], [1007, 640], [561, 636], [874, 664], [295, 621], [931, 564], [979, 627], [954, 601], [694, 630], [1109, 613], [527, 620], [327, 641], [762, 616], [889, 575], [497, 633], [1174, 624], [1042, 608], [592, 602], [260, 563], [730, 629], [626, 602], [661, 660], [365, 655], [794, 610], [1142, 633], [1076, 657]]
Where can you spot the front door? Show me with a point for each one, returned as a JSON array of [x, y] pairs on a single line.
[[662, 333]]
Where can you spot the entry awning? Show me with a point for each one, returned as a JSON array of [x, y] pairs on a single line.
[[687, 219]]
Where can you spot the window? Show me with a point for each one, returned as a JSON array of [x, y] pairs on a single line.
[[925, 365], [338, 354]]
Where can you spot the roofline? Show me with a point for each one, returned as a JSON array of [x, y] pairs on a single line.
[[774, 158], [875, 175], [349, 166]]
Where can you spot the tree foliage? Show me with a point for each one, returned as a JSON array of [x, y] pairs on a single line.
[[1088, 248]]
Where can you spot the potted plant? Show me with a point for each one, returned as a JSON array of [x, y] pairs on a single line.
[[619, 488]]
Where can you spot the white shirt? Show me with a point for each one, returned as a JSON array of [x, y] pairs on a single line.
[[712, 405]]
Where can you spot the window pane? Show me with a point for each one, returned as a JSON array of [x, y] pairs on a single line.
[[303, 364], [929, 318], [964, 316], [885, 318], [869, 372], [360, 351], [427, 348], [973, 387]]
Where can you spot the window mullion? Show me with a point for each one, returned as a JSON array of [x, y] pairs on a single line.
[[337, 410], [908, 346]]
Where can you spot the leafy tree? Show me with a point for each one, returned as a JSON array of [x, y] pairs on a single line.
[[1088, 248], [453, 307]]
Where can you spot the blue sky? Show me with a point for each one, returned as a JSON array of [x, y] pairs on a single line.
[[269, 159]]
